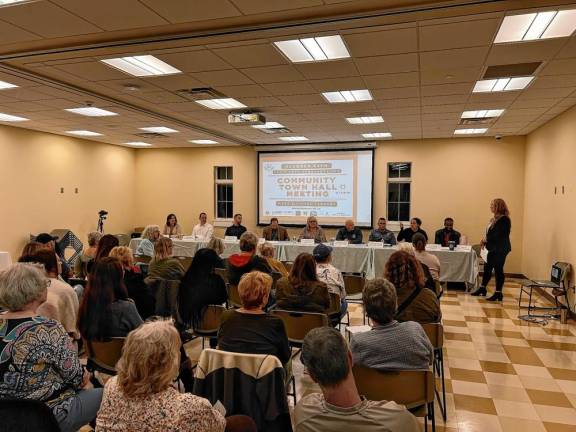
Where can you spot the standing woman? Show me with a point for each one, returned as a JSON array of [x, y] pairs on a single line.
[[497, 242], [172, 229]]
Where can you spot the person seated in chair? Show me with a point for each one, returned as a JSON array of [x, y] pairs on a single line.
[[330, 275], [429, 260], [236, 229], [247, 260], [406, 234], [164, 265], [350, 233], [389, 345], [381, 234], [447, 234], [275, 232], [150, 235], [87, 255], [340, 407]]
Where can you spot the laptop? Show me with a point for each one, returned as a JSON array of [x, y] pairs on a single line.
[[554, 282]]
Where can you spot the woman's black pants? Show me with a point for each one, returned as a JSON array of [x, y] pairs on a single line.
[[495, 262]]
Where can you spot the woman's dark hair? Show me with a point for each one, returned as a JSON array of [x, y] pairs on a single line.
[[45, 257], [404, 271], [105, 245], [168, 219], [194, 283], [105, 286], [303, 271]]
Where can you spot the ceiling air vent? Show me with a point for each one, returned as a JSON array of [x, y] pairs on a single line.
[[150, 135], [511, 70], [201, 93]]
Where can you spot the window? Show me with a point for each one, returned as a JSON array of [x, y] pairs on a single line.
[[399, 182], [223, 191]]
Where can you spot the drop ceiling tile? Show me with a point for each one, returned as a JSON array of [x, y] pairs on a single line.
[[554, 81], [330, 69], [396, 93], [289, 88], [458, 35], [454, 58], [447, 89], [535, 51], [222, 77], [377, 43], [251, 90], [495, 98], [559, 67], [251, 56], [160, 97], [437, 109], [91, 71], [178, 11], [558, 92], [534, 103], [10, 33], [262, 102], [407, 79], [335, 84], [273, 74], [444, 100], [387, 64], [194, 61], [450, 75], [249, 7], [175, 82]]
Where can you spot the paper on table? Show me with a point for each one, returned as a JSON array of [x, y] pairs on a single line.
[[484, 254]]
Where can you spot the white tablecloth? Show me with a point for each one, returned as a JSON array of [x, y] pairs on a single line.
[[5, 260]]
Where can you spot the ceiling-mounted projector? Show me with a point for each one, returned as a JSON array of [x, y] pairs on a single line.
[[246, 119]]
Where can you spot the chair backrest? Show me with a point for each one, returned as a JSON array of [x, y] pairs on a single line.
[[123, 239], [354, 284], [26, 415], [560, 273], [298, 324], [223, 273], [106, 354], [210, 321], [435, 332], [234, 296], [410, 388], [186, 261], [334, 304]]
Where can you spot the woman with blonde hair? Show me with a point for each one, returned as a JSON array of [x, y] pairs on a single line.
[[497, 242], [312, 231], [88, 255], [149, 236], [164, 265], [142, 396], [267, 251]]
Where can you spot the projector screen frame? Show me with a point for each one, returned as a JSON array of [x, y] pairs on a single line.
[[294, 225]]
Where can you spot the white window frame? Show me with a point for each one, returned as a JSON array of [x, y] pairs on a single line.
[[222, 222], [398, 180]]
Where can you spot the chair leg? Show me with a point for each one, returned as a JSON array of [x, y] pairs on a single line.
[[294, 389], [441, 365], [433, 417]]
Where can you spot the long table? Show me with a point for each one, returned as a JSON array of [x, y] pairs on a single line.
[[459, 265]]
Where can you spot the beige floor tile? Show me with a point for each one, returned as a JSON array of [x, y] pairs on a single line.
[[514, 342], [556, 415], [558, 427], [464, 364], [503, 379], [563, 374], [493, 356], [473, 389], [537, 383], [515, 394], [497, 367], [514, 424], [467, 375], [478, 422], [522, 410], [567, 386], [522, 355], [462, 353], [537, 371]]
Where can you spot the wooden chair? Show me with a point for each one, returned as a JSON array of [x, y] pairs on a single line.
[[414, 389], [354, 285], [210, 323], [186, 261], [435, 332], [103, 356], [439, 288], [298, 324], [234, 296]]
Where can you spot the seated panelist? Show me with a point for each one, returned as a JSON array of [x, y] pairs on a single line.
[[447, 234], [406, 234], [275, 232], [382, 234], [350, 232]]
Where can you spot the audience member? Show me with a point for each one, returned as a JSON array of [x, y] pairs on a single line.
[[49, 242], [164, 265], [31, 248], [203, 230], [105, 310], [447, 234], [105, 245], [250, 329], [247, 260], [275, 232], [329, 274], [39, 360], [236, 229], [406, 234], [382, 234], [217, 245], [61, 301], [428, 279], [312, 231], [87, 255], [350, 233], [134, 282], [149, 236], [301, 290], [416, 303], [142, 398], [267, 251], [340, 407], [389, 345], [172, 228], [430, 261]]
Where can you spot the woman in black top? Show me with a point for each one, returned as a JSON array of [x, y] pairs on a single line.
[[406, 234], [497, 242]]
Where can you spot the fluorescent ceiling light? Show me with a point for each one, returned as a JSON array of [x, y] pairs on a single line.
[[8, 2], [141, 66], [377, 135], [91, 112], [482, 114], [226, 103], [138, 144], [365, 120], [6, 85], [293, 138], [534, 26], [502, 84], [203, 141], [313, 49], [470, 131], [269, 125], [344, 96], [158, 129], [83, 133], [11, 118]]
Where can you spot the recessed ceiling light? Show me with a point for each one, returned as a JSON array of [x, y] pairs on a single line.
[[293, 138], [145, 65], [534, 26], [91, 112], [470, 131], [502, 84], [11, 118], [138, 144], [6, 85], [225, 103], [269, 125], [158, 129], [482, 114], [377, 135], [313, 49], [203, 141], [83, 133], [344, 96], [365, 120]]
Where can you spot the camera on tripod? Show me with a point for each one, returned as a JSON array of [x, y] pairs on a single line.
[[102, 215]]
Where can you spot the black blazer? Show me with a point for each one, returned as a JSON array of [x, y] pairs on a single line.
[[439, 237], [498, 236]]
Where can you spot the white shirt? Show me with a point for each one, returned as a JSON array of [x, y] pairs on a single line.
[[332, 277], [203, 232]]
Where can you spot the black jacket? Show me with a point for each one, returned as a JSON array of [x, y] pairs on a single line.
[[498, 236], [439, 237], [354, 236], [235, 230], [406, 234]]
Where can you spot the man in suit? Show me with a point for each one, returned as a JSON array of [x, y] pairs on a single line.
[[447, 234], [275, 232]]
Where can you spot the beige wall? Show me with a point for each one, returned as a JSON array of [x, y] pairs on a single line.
[[549, 229], [33, 167]]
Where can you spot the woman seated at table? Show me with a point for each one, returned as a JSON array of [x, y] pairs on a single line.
[[267, 251], [39, 360], [312, 231], [301, 290], [87, 255], [415, 302], [250, 329], [149, 236], [172, 229], [106, 311], [426, 258], [164, 265]]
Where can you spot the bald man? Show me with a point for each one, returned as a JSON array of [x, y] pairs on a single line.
[[350, 233]]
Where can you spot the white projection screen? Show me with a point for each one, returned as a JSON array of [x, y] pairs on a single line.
[[332, 185]]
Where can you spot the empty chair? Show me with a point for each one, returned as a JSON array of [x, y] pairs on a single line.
[[103, 356], [435, 332], [354, 284], [210, 322]]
